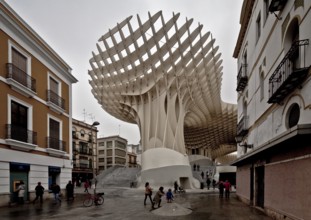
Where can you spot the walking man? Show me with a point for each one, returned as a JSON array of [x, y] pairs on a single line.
[[39, 193]]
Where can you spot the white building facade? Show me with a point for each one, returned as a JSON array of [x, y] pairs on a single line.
[[112, 151], [274, 107]]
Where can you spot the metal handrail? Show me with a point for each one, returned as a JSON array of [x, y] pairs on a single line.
[[56, 99], [19, 133], [285, 68], [15, 73], [55, 143]]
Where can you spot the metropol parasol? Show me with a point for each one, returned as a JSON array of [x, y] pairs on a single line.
[[166, 78]]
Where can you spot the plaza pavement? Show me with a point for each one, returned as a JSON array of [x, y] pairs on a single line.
[[127, 203]]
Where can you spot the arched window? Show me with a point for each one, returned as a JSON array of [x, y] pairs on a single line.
[[82, 132]]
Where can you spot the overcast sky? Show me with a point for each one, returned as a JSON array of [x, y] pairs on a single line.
[[72, 28]]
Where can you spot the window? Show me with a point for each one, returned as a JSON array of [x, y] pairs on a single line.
[[83, 148], [54, 139], [19, 60], [262, 86], [82, 132], [109, 144], [19, 121], [258, 27], [19, 71], [54, 92], [293, 115]]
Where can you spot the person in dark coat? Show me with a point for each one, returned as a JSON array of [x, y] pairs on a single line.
[[175, 187], [221, 189], [208, 183], [39, 193], [69, 190], [56, 191]]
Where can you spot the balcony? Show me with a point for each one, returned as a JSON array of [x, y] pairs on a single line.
[[287, 76], [242, 127], [242, 78], [55, 102], [20, 81], [277, 5], [55, 146], [20, 138]]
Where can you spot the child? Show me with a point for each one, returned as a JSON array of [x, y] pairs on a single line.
[[169, 196]]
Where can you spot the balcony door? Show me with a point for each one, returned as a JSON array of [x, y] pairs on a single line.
[[19, 121], [54, 134], [20, 67]]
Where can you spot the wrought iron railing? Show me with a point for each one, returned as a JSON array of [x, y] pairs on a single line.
[[13, 72], [55, 143], [242, 128], [55, 98], [20, 134], [287, 66], [242, 78]]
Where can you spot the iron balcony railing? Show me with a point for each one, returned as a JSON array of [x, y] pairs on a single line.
[[18, 133], [13, 72], [56, 99], [288, 74], [242, 127], [55, 143], [242, 78]]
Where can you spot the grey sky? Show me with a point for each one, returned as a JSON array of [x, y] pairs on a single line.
[[73, 27]]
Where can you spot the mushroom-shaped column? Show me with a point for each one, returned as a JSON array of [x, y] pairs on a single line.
[[164, 77]]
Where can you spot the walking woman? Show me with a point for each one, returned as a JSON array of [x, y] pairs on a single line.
[[148, 193]]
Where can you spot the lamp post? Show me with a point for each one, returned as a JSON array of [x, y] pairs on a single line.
[[95, 123]]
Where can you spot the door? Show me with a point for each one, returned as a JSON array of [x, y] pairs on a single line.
[[251, 197], [54, 135], [19, 122], [15, 178], [260, 186]]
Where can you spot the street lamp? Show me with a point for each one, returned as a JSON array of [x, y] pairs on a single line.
[[95, 123], [239, 140]]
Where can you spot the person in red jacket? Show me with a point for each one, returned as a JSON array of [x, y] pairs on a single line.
[[227, 186]]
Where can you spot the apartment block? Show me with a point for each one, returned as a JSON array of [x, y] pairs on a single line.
[[35, 105], [111, 152], [84, 150]]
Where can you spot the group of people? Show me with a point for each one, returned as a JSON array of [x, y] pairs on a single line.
[[157, 198], [39, 191], [224, 186]]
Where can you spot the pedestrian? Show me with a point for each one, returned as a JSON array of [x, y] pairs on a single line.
[[208, 183], [157, 198], [86, 186], [194, 167], [69, 191], [214, 184], [169, 196], [221, 189], [21, 192], [198, 167], [56, 192], [227, 186], [39, 193], [202, 175], [148, 193], [175, 187]]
